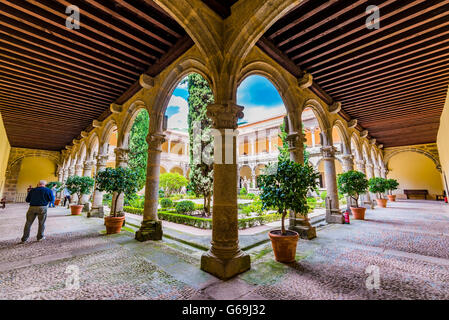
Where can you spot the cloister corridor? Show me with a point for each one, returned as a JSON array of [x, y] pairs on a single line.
[[406, 243]]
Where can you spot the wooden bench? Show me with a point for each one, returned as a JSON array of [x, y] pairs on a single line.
[[411, 192]]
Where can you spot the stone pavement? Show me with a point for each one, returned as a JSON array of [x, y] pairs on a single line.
[[404, 247]]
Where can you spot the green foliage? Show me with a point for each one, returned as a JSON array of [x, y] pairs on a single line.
[[206, 223], [138, 147], [166, 203], [79, 186], [392, 184], [323, 195], [378, 186], [119, 180], [185, 206], [353, 183], [200, 138], [136, 202], [243, 191], [55, 183], [172, 182], [161, 193], [285, 187]]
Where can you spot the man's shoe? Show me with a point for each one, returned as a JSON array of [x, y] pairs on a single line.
[[24, 241], [43, 238]]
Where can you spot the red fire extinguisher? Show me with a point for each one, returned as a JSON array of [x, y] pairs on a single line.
[[445, 199], [346, 214]]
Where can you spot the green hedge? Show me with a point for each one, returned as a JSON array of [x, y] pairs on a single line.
[[206, 223]]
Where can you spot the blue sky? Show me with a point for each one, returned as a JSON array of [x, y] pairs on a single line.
[[257, 94]]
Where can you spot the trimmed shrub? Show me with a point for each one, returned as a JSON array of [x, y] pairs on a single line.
[[166, 203], [206, 223], [185, 206], [243, 191]]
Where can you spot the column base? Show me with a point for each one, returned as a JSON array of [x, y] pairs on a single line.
[[96, 212], [303, 227], [225, 268], [87, 207], [334, 216], [149, 230]]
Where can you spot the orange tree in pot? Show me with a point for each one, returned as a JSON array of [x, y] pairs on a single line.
[[392, 184], [378, 186], [353, 184], [57, 187], [79, 186], [284, 187], [121, 181]]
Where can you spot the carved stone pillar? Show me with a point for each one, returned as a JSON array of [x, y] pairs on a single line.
[[225, 259], [348, 162], [377, 171], [361, 167], [79, 169], [151, 228], [87, 172], [348, 165], [71, 171], [369, 175], [97, 202], [383, 173], [121, 161], [333, 214], [298, 222], [65, 175]]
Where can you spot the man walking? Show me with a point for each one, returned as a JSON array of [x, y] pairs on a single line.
[[38, 198], [67, 197]]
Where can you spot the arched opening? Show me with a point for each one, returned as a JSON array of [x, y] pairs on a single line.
[[415, 171], [177, 170]]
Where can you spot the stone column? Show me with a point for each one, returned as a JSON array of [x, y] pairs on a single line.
[[333, 214], [65, 175], [97, 202], [361, 167], [377, 171], [383, 173], [121, 161], [348, 165], [369, 175], [71, 171], [298, 222], [253, 149], [79, 169], [151, 228], [312, 132], [225, 259], [87, 172], [253, 177]]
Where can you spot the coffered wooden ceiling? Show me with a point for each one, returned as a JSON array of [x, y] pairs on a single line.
[[393, 79], [54, 81]]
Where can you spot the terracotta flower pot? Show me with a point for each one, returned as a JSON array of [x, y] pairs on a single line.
[[382, 203], [392, 198], [358, 213], [113, 224], [57, 201], [284, 246], [76, 209]]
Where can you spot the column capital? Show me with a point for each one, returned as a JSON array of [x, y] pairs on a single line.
[[155, 141], [88, 164], [295, 140], [121, 155], [102, 159], [79, 166], [224, 116], [328, 152], [369, 165]]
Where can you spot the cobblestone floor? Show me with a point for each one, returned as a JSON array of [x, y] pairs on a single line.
[[406, 245]]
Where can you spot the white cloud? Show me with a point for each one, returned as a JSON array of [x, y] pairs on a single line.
[[179, 119], [258, 113]]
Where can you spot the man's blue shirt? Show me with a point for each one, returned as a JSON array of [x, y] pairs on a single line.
[[40, 196]]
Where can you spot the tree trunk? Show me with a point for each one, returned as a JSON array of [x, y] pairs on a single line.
[[207, 204], [283, 224]]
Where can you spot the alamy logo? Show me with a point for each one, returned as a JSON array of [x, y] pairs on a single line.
[[73, 20], [373, 20]]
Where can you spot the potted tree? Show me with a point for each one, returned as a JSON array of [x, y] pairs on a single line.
[[58, 188], [392, 184], [119, 181], [353, 184], [79, 186], [379, 186], [285, 188]]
